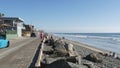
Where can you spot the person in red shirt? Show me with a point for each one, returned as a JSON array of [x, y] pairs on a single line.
[[41, 36]]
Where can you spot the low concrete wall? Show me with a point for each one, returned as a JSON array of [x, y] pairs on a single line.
[[11, 36]]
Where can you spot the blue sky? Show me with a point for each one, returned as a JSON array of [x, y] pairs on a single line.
[[66, 15]]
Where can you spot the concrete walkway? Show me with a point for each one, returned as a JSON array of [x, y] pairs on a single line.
[[15, 40], [21, 57]]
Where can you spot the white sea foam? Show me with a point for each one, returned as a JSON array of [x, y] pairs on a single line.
[[116, 39], [81, 36], [99, 37]]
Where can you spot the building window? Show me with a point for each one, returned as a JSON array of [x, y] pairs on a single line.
[[9, 22]]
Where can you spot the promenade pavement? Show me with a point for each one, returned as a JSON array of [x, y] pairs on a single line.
[[23, 54], [14, 45]]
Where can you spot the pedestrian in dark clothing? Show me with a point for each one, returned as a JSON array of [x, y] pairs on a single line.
[[41, 36]]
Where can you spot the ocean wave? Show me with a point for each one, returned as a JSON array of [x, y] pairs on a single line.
[[112, 38], [94, 37], [116, 35], [99, 37], [116, 39], [104, 38], [81, 36]]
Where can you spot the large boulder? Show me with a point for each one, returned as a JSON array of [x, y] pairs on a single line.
[[71, 50], [64, 49], [59, 48], [58, 64], [63, 64], [93, 57], [49, 60], [69, 47], [90, 65], [74, 59]]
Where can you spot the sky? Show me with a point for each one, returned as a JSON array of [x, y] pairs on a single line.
[[66, 15]]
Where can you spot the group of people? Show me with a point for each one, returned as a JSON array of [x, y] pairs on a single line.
[[115, 55], [111, 54]]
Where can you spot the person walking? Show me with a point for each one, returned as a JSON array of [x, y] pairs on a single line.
[[41, 36]]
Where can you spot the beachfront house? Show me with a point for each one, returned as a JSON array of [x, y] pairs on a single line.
[[28, 29], [12, 26]]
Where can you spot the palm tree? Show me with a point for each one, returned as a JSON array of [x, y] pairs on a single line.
[[1, 20], [1, 15]]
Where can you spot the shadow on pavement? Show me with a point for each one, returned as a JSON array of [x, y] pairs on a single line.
[[32, 65]]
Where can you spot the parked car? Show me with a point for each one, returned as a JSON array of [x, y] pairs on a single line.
[[4, 42], [33, 34]]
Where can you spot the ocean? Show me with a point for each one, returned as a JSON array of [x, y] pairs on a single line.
[[107, 41]]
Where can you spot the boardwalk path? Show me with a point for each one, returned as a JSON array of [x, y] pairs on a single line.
[[24, 57]]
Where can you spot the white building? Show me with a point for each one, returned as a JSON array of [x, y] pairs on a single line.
[[15, 24]]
